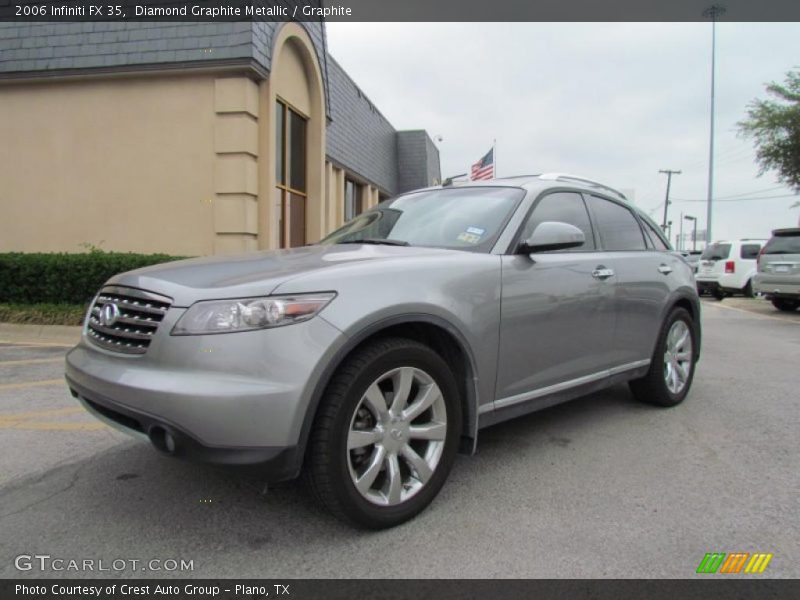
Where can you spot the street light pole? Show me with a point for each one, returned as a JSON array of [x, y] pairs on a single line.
[[712, 12], [694, 233], [669, 174]]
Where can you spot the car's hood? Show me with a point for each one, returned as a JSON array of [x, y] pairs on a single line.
[[255, 273]]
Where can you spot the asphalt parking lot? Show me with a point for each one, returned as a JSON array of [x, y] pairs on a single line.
[[600, 487]]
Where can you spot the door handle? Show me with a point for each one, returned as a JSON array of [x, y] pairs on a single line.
[[664, 269], [602, 273]]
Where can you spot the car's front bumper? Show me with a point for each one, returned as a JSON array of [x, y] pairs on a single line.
[[776, 286], [229, 398]]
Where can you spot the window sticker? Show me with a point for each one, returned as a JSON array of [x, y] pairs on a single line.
[[476, 231], [469, 238]]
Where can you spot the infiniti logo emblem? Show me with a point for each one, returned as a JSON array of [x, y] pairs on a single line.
[[109, 314]]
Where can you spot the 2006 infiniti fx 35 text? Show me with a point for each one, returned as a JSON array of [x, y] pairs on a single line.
[[368, 360]]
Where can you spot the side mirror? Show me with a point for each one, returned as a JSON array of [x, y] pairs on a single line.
[[552, 235]]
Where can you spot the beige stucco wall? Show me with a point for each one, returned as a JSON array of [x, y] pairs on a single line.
[[122, 163], [174, 163]]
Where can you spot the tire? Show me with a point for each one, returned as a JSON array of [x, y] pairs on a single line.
[[351, 411], [718, 294], [748, 290], [654, 388], [785, 304]]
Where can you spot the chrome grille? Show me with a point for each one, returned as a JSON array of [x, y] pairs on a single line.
[[125, 319]]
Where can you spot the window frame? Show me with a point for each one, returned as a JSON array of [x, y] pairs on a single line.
[[599, 235], [283, 183], [647, 226]]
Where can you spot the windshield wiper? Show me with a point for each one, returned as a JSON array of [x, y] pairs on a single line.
[[376, 241]]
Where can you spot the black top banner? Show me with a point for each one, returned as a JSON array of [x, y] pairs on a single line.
[[398, 10]]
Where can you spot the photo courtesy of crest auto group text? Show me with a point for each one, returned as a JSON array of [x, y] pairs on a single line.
[[377, 298]]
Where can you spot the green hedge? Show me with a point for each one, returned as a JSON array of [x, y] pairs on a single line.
[[61, 278]]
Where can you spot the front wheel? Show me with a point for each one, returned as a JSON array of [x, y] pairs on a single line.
[[386, 434], [672, 367], [785, 305]]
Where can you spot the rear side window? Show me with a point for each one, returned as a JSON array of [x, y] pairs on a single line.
[[565, 207], [618, 228], [716, 252], [658, 241], [750, 251], [783, 244]]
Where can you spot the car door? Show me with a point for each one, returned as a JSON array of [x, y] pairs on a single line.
[[557, 318], [644, 278]]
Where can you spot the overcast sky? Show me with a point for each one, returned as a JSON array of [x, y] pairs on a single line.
[[614, 102]]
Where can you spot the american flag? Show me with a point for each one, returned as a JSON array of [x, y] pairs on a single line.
[[484, 168]]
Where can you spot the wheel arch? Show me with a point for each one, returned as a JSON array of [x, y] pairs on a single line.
[[436, 332], [691, 303]]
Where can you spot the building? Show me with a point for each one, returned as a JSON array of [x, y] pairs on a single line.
[[188, 138]]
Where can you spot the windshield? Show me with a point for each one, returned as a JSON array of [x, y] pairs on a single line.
[[716, 252], [457, 218], [783, 244]]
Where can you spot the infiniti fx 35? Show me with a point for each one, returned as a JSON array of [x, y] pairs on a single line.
[[368, 360]]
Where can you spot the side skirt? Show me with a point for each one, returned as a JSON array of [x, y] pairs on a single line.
[[510, 408]]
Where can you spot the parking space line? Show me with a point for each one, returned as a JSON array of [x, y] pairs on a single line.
[[30, 361], [71, 410], [755, 314], [49, 426], [30, 384], [5, 344]]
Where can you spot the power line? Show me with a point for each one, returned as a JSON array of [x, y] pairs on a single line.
[[750, 193], [739, 199]]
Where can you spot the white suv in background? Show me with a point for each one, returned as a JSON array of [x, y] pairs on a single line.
[[728, 267]]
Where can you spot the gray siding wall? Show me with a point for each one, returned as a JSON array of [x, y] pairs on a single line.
[[418, 160], [359, 137]]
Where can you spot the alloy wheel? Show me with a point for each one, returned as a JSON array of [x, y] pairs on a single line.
[[678, 357], [397, 435]]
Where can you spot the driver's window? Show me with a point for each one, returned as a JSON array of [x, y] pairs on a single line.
[[566, 207]]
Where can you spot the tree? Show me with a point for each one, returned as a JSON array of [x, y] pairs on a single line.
[[774, 126]]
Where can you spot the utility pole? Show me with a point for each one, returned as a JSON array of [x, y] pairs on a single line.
[[669, 173], [713, 12], [680, 238]]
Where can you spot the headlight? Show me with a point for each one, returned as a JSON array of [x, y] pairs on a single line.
[[246, 314]]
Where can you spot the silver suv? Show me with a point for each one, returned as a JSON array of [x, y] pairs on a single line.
[[778, 274], [368, 360]]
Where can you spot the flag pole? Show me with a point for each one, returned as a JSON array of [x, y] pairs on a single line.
[[494, 156]]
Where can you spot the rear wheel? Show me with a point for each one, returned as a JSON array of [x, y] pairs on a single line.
[[785, 304], [672, 367], [748, 290], [386, 434], [718, 294]]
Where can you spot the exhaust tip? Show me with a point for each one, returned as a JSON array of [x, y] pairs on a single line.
[[162, 439]]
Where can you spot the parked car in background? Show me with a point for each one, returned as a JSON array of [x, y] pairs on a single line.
[[778, 276], [693, 258], [369, 359], [728, 267]]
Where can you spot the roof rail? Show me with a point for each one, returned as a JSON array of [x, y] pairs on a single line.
[[589, 182]]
